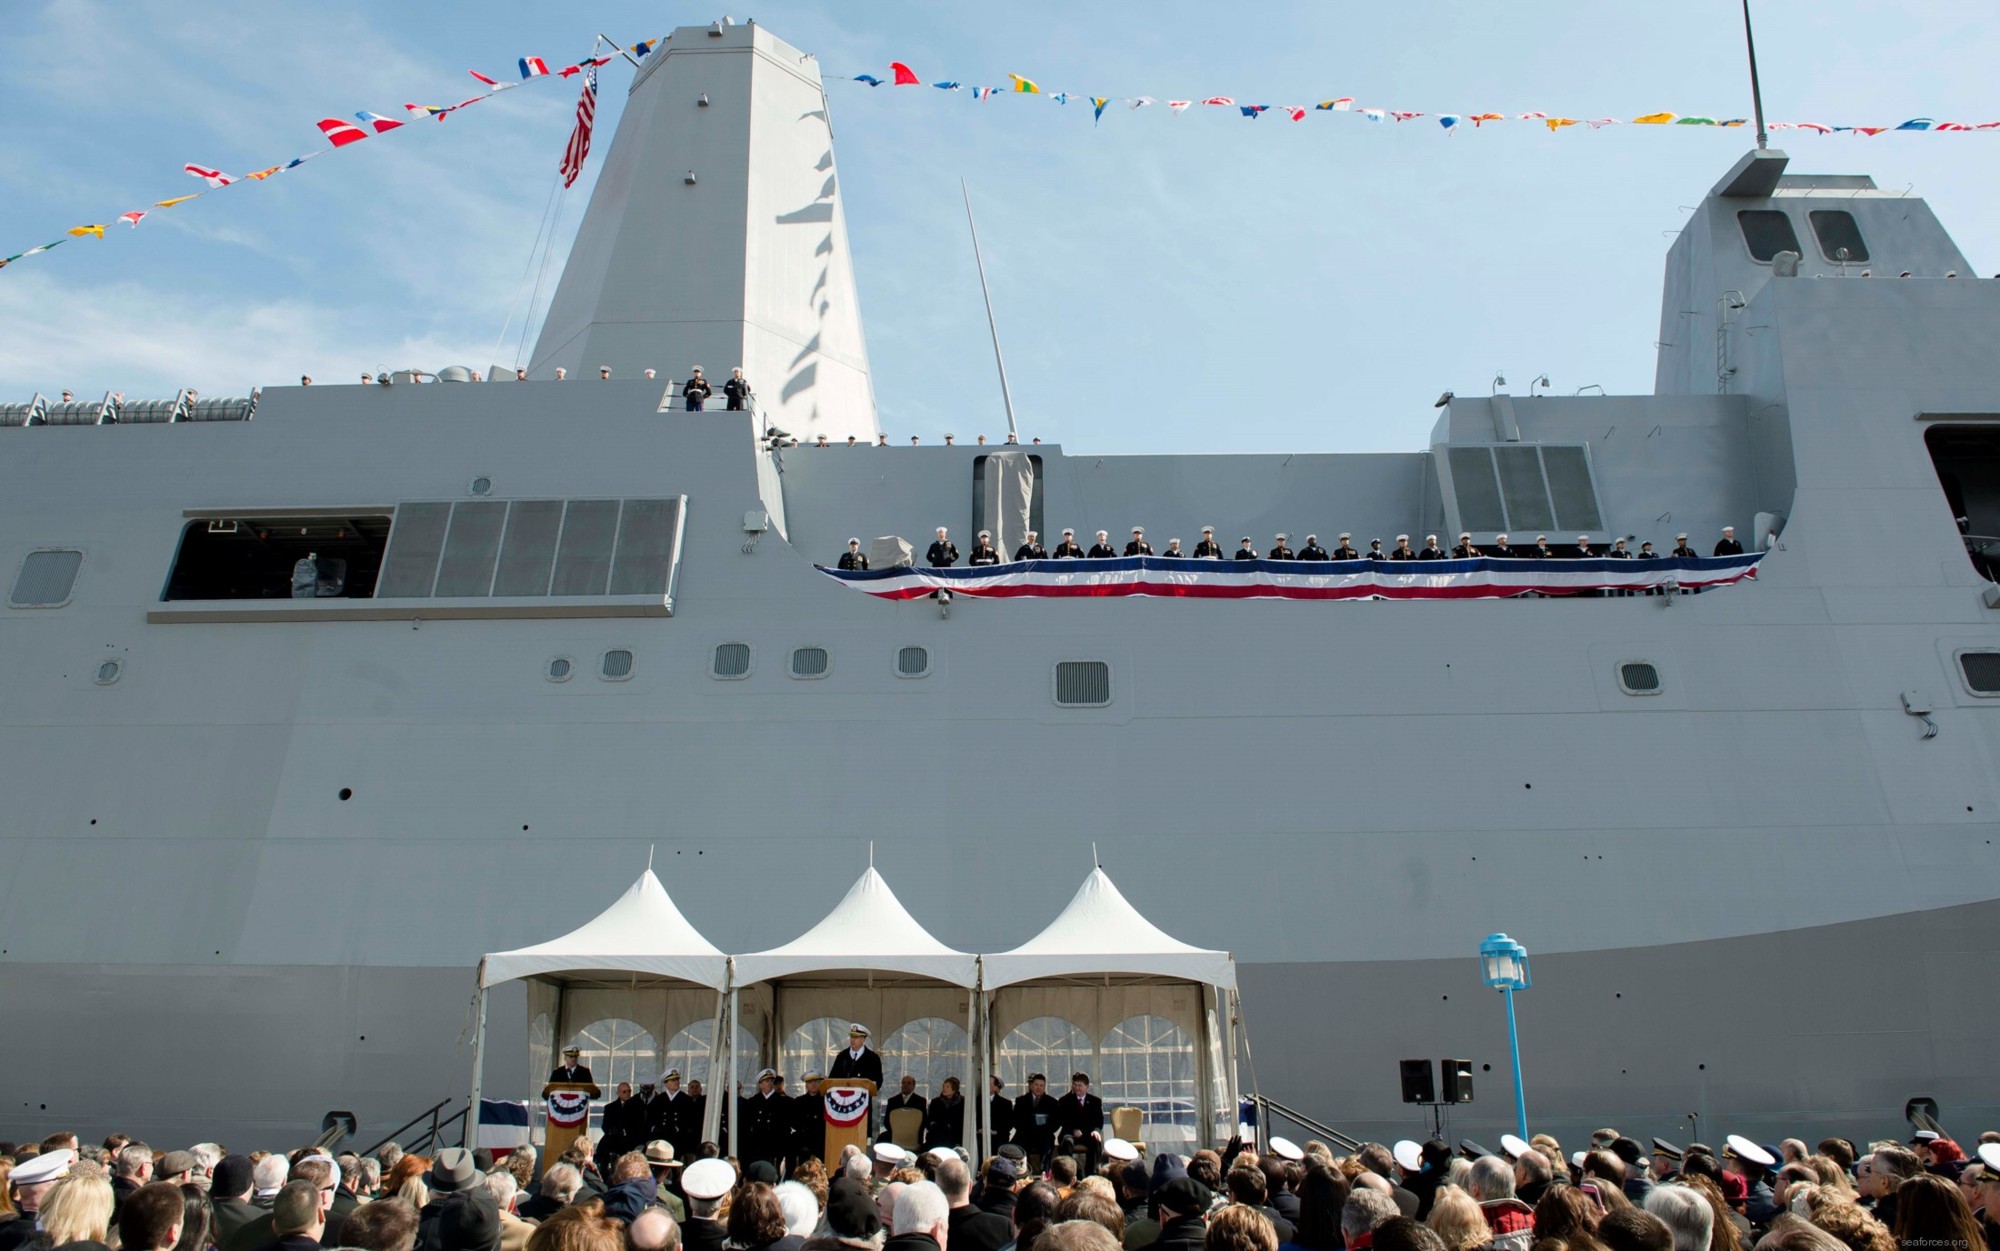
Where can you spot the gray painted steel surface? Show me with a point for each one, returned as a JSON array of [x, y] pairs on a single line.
[[248, 879]]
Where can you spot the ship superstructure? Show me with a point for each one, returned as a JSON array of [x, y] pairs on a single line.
[[256, 843]]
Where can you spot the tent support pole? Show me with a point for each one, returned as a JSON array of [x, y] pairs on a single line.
[[985, 1072], [478, 1060], [711, 1114], [729, 1079], [970, 1133]]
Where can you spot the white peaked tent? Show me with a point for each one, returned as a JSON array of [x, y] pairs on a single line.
[[638, 959], [868, 959], [1101, 961]]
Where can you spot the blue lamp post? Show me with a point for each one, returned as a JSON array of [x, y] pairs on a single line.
[[1503, 965]]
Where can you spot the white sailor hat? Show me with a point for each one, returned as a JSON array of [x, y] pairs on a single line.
[[1583, 538], [1577, 1157], [1989, 1155], [1402, 538], [708, 1179], [1499, 538], [890, 1153], [985, 534], [764, 1073], [1345, 535], [1286, 1149], [1119, 1149], [1743, 1149], [1208, 529], [1312, 538], [858, 1027], [47, 1166], [1925, 1135], [1465, 536], [1541, 538], [1409, 1155], [1513, 1147], [1729, 529], [1067, 531]]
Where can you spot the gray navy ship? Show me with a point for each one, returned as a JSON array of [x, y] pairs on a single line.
[[256, 841]]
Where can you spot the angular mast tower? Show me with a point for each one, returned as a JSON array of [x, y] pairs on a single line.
[[715, 237]]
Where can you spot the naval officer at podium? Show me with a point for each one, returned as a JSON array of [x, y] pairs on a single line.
[[858, 1060], [570, 1071]]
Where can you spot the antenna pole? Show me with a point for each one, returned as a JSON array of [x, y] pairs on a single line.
[[1756, 92], [1006, 396]]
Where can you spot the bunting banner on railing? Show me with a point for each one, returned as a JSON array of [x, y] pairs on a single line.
[[341, 133], [1448, 121], [1480, 578]]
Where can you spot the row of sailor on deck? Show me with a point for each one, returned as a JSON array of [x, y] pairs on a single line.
[[943, 553]]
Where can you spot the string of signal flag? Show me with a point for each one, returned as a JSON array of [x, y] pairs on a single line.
[[901, 75], [341, 133]]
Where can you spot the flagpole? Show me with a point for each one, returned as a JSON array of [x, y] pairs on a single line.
[[1756, 92], [622, 51], [1006, 395]]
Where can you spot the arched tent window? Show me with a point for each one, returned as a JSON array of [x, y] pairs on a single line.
[[1046, 1044], [616, 1050], [1149, 1062], [810, 1048], [688, 1052], [928, 1049]]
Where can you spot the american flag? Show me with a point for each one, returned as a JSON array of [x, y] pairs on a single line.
[[579, 139]]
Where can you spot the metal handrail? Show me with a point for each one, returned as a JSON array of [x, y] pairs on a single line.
[[1305, 1122], [430, 1113]]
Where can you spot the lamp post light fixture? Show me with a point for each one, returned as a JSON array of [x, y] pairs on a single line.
[[1503, 965]]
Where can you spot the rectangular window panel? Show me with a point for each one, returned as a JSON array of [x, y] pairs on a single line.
[[1838, 234], [416, 540], [1569, 483], [583, 557], [528, 552], [645, 547], [470, 547], [46, 579], [1521, 486], [1767, 232], [1478, 493]]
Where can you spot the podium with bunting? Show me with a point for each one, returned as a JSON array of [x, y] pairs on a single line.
[[846, 1103], [568, 1107]]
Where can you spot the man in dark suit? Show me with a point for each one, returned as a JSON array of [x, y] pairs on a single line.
[[1080, 1120], [809, 1122], [1035, 1121], [1000, 1114], [906, 1096], [620, 1128]]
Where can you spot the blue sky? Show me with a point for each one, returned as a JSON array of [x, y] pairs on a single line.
[[1193, 283]]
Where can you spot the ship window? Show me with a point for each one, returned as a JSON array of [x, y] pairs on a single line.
[[1639, 677], [47, 579], [1835, 230], [231, 558], [1570, 490], [913, 662], [470, 547], [1083, 683], [410, 570], [560, 668], [583, 555], [1767, 232], [528, 551], [1982, 672], [1477, 490], [1522, 488], [647, 534], [732, 660], [809, 662], [109, 671], [616, 665]]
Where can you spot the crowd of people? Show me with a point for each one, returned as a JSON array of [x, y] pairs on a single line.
[[1924, 1195], [943, 553]]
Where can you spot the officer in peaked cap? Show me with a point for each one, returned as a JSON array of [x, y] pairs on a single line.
[[1346, 549], [858, 1059], [1248, 551], [570, 1070], [1375, 551], [1138, 546], [705, 1181], [766, 1124], [1471, 1150], [1280, 551], [1681, 548], [1065, 550], [676, 1117], [1666, 1159], [1208, 548], [29, 1182], [982, 550], [854, 558], [1403, 550], [1312, 550]]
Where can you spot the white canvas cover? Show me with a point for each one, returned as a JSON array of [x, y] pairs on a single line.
[[869, 929], [1101, 932], [643, 932]]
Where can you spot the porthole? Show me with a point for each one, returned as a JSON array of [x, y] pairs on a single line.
[[481, 486], [109, 671], [1082, 684], [1981, 671], [731, 661], [616, 666], [560, 668], [810, 662], [913, 662], [1639, 677]]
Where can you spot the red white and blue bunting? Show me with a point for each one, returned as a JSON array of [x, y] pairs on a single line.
[[1481, 578]]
